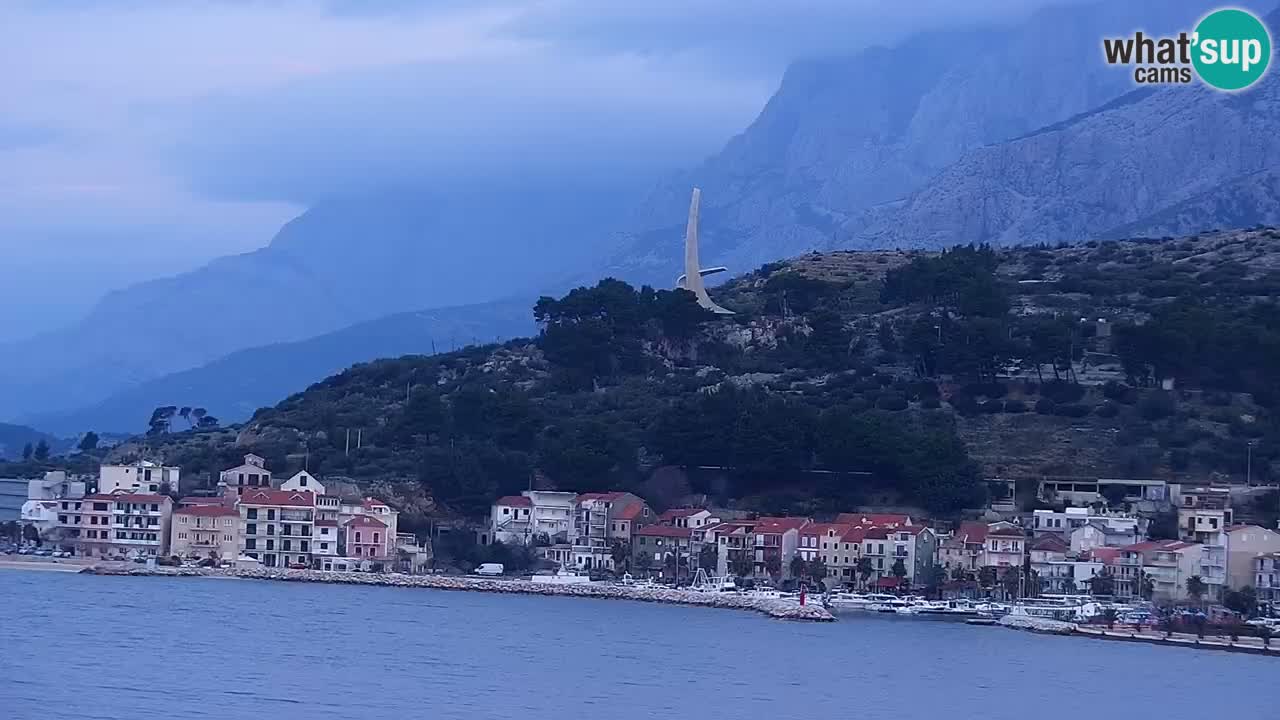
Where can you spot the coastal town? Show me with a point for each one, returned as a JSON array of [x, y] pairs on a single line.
[[1100, 538]]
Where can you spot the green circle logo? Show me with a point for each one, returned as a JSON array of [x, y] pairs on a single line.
[[1232, 49]]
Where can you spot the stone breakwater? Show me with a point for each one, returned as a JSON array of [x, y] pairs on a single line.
[[780, 609]]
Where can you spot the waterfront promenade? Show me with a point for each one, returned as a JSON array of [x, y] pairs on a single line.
[[779, 609]]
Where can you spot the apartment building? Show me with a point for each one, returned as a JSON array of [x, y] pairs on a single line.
[[776, 541], [1266, 577], [124, 525], [1005, 545], [205, 530], [277, 526], [1203, 512], [142, 477]]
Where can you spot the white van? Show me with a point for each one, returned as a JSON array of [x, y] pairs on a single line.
[[490, 569]]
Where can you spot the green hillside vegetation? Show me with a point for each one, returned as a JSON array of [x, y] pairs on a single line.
[[845, 378]]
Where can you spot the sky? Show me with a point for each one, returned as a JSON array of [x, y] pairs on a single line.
[[140, 138]]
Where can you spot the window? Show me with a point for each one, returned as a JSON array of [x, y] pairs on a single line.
[[153, 521], [251, 544], [304, 546], [182, 536], [376, 538], [302, 481], [357, 536], [271, 529], [251, 529], [324, 546], [252, 514], [506, 511], [271, 514], [286, 545], [62, 519], [271, 544]]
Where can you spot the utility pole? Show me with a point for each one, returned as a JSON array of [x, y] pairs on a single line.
[[1248, 463], [347, 451]]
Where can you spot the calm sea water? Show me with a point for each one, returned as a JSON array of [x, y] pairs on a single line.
[[75, 646]]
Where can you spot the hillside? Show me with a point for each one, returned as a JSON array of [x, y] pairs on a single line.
[[906, 377]]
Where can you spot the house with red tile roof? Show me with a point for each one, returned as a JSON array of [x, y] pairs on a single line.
[[365, 539], [203, 530], [776, 541], [663, 550], [277, 526], [125, 525], [1006, 545], [1166, 565]]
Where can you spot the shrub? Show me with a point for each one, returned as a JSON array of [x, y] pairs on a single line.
[[1179, 460], [1061, 391], [1218, 399], [892, 401], [1107, 409], [1113, 390], [1073, 410], [991, 407], [964, 404], [1157, 405], [1045, 406], [1015, 406], [931, 402]]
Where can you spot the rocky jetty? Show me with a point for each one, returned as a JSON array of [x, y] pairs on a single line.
[[781, 609], [1040, 625]]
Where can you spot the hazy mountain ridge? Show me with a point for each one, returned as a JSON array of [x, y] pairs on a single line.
[[231, 388], [847, 137], [345, 261]]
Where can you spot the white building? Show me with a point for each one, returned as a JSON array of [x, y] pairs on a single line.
[[1106, 531], [142, 477], [303, 480], [532, 514], [1203, 512], [252, 474], [1067, 520]]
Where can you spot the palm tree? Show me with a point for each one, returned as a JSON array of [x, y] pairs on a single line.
[[1196, 588], [865, 569]]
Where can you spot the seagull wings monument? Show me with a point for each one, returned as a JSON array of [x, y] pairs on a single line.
[[691, 280]]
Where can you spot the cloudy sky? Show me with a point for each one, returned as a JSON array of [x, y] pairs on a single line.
[[144, 137]]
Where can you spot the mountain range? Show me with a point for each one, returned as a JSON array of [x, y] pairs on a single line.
[[1009, 135]]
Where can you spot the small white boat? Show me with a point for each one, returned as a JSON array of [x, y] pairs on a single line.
[[847, 601]]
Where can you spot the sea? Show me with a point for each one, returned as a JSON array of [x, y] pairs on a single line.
[[120, 648]]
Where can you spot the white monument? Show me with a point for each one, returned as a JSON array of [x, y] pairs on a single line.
[[691, 280]]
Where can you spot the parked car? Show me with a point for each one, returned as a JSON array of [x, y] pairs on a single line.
[[490, 569]]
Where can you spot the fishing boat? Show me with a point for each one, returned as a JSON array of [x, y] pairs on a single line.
[[949, 608]]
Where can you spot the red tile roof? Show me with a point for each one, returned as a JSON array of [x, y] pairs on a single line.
[[729, 526], [855, 534], [1050, 543], [287, 498], [208, 511], [365, 521], [606, 496], [972, 531], [630, 512], [881, 519], [129, 497], [370, 503], [1104, 555], [664, 531], [514, 501], [825, 529], [877, 533]]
